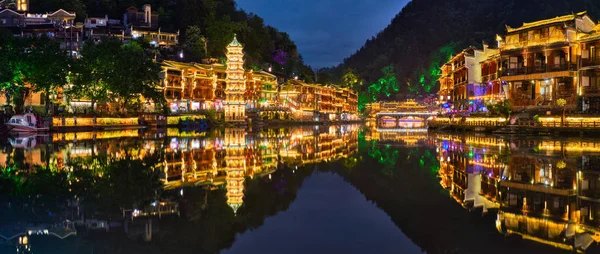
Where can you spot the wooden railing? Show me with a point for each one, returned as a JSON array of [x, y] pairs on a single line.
[[574, 124], [592, 61], [486, 123], [521, 123]]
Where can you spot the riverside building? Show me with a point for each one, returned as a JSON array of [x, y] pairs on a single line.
[[187, 87], [532, 66], [469, 80], [210, 85]]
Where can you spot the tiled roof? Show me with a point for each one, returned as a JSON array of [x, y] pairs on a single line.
[[594, 34], [559, 19], [235, 42]]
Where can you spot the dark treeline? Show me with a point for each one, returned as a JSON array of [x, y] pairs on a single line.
[[216, 21], [423, 35], [38, 64]]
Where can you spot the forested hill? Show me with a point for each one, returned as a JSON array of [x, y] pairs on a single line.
[[425, 32], [217, 21]]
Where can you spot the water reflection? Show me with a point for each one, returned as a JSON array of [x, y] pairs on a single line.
[[56, 185], [543, 189], [181, 192]]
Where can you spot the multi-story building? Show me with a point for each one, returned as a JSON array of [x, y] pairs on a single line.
[[17, 5], [490, 88], [261, 90], [446, 87], [533, 66], [235, 105], [462, 77], [317, 102], [468, 81], [590, 70], [144, 24], [539, 60], [191, 86], [97, 27]]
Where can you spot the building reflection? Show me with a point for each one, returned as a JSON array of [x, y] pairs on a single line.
[[543, 190], [405, 136], [226, 157], [220, 160], [467, 169]]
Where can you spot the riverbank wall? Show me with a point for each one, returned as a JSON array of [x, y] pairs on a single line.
[[541, 126], [87, 123]]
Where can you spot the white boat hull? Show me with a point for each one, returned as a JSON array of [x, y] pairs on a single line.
[[23, 128]]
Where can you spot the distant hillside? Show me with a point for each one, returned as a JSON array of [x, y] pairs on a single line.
[[265, 46], [425, 32]]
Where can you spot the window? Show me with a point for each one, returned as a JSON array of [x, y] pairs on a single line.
[[595, 81], [523, 37], [585, 81], [545, 33], [513, 63]]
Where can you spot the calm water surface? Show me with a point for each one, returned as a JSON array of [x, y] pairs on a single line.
[[315, 189]]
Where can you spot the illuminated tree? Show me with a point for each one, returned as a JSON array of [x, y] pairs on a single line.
[[351, 80], [124, 70], [90, 72], [425, 79], [15, 67], [49, 67], [562, 103], [502, 108], [135, 73]]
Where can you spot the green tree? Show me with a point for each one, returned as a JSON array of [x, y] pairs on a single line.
[[219, 32], [134, 73], [49, 67], [15, 67], [195, 44], [351, 80], [502, 108], [125, 71], [92, 71], [386, 85]]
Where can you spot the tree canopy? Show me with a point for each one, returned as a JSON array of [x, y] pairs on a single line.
[[445, 27], [126, 71]]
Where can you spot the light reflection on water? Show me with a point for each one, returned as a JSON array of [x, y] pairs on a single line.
[[224, 182]]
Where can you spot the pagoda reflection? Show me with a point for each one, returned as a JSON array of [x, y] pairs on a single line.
[[221, 158]]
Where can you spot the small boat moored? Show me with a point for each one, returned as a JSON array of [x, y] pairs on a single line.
[[27, 123]]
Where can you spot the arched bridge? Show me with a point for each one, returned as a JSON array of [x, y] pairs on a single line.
[[403, 119]]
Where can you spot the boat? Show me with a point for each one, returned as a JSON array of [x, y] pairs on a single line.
[[28, 141], [26, 123]]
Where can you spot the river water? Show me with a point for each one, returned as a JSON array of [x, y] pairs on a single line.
[[311, 189]]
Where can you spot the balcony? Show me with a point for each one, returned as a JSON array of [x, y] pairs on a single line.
[[490, 77], [542, 68], [561, 67], [513, 71], [593, 61], [590, 90]]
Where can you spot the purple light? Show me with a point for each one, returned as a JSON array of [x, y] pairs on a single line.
[[280, 56]]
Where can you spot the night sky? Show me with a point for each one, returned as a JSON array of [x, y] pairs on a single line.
[[326, 31]]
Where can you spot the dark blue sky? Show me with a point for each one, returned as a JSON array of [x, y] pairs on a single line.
[[326, 31]]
